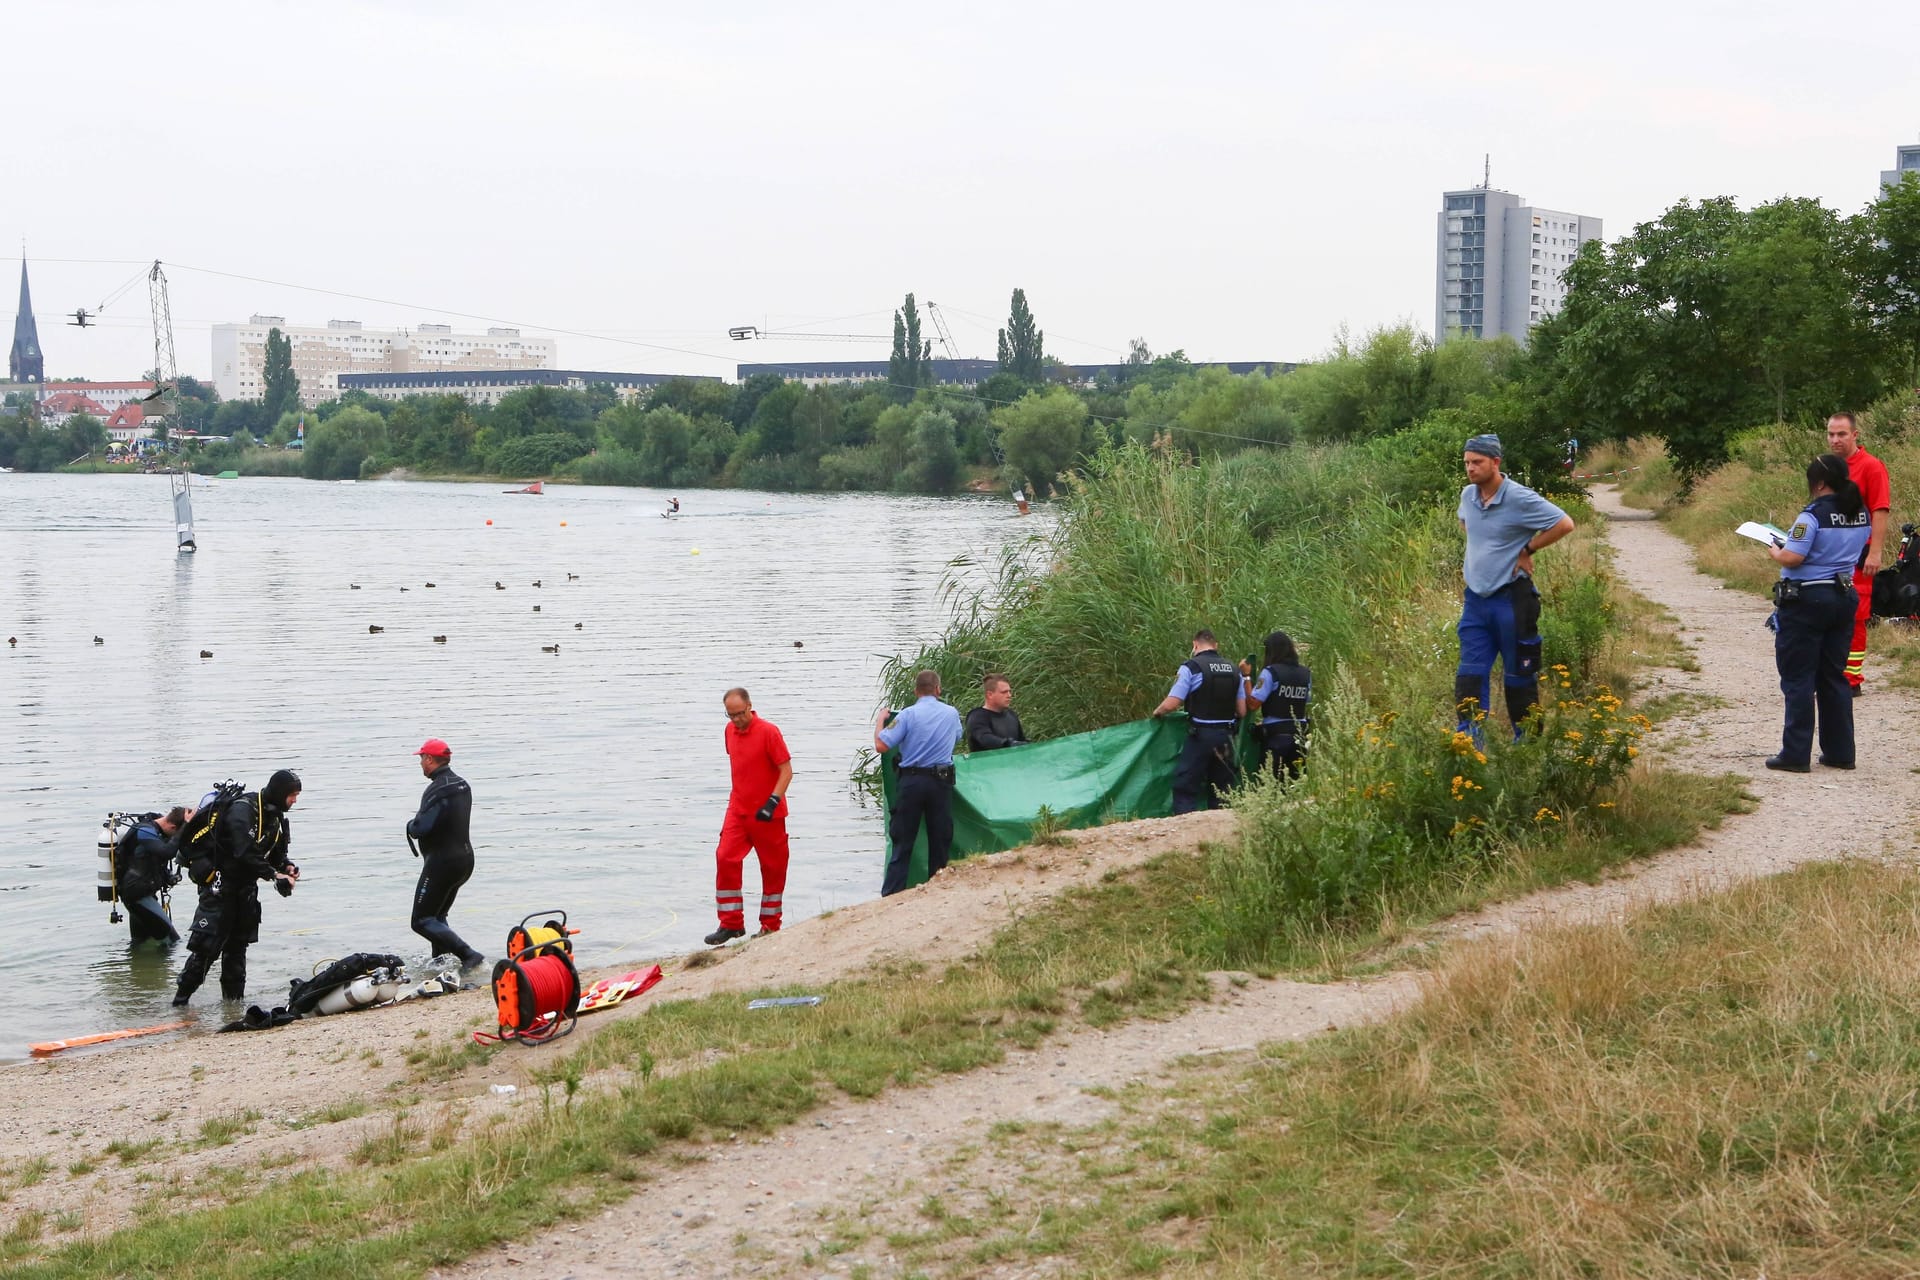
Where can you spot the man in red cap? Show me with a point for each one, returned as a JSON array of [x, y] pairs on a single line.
[[444, 849], [756, 820]]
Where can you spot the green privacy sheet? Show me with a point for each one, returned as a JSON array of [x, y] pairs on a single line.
[[1108, 775]]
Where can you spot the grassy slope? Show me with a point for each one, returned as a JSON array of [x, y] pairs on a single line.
[[1725, 1087]]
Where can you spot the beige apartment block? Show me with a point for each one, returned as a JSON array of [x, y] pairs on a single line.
[[321, 355]]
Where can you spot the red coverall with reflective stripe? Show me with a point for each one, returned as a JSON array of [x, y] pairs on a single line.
[[756, 757], [1870, 474]]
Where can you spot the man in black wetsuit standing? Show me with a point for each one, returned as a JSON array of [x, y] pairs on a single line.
[[249, 845], [446, 852]]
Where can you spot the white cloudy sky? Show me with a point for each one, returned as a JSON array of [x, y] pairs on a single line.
[[1236, 180]]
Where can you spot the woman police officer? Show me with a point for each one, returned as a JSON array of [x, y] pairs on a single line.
[[1813, 618]]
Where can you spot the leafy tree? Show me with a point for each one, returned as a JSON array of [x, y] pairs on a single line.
[[816, 422], [540, 454], [337, 448], [281, 388], [666, 448], [536, 411], [240, 418], [1707, 321], [1042, 436], [1022, 344], [1889, 272], [770, 430], [82, 434], [695, 396], [909, 366], [936, 459], [746, 401]]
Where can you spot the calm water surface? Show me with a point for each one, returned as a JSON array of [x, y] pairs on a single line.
[[598, 773]]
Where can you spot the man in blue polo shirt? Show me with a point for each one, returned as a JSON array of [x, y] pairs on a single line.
[[925, 735], [1210, 688], [1505, 523]]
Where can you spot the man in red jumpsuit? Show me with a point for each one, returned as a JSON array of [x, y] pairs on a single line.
[[756, 820], [1867, 471]]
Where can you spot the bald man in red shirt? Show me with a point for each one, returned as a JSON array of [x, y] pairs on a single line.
[[756, 820], [1867, 471]]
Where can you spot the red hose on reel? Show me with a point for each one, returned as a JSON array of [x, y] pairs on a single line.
[[536, 996]]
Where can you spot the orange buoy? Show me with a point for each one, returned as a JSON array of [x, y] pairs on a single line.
[[489, 522]]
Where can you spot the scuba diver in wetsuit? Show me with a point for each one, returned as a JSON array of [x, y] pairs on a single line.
[[445, 851], [148, 872], [249, 845]]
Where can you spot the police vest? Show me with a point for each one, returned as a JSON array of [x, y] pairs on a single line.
[[1287, 704], [1217, 695]]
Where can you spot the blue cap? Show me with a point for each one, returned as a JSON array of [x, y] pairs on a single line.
[[1487, 445]]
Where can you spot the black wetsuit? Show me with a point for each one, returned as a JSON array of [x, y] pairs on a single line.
[[147, 872], [446, 855], [249, 845], [991, 730]]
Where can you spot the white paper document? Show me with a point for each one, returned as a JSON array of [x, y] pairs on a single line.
[[1772, 535]]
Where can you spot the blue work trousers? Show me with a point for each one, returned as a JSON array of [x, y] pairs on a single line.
[[923, 796], [1504, 625], [1810, 649], [1205, 767]]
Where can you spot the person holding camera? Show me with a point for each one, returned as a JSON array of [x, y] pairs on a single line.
[[756, 820], [442, 829], [1814, 602], [250, 845], [925, 735]]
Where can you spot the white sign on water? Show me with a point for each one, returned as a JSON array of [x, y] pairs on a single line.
[[598, 771]]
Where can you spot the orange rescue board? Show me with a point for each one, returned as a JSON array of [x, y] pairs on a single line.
[[51, 1047]]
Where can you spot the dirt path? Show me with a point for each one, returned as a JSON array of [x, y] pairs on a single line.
[[766, 1207]]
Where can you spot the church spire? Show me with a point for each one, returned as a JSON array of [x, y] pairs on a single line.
[[24, 361]]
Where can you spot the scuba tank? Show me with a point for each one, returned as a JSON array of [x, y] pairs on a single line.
[[104, 884], [373, 988]]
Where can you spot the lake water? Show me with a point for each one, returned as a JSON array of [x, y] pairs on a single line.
[[598, 773]]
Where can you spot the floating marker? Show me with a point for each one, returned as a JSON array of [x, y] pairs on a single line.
[[563, 524], [489, 522], [694, 552]]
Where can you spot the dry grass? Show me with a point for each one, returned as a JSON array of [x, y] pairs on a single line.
[[1729, 1087]]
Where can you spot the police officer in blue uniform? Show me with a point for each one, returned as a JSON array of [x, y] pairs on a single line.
[[1282, 691], [1813, 616], [1210, 688], [925, 734], [1505, 523]]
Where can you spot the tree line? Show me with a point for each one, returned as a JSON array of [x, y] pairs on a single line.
[[1693, 327]]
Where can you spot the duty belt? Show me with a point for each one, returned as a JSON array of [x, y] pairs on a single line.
[[935, 770]]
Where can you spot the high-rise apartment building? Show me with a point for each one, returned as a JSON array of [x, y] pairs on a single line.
[[321, 355], [1501, 262], [1906, 159]]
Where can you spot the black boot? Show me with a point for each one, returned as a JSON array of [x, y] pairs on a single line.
[[192, 974], [1522, 700]]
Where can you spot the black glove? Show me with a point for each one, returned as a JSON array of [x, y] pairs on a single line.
[[283, 886], [768, 809]]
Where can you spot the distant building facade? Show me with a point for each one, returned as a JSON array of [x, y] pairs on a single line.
[[25, 363], [1906, 159], [105, 397], [1500, 263], [968, 373], [129, 423], [489, 386], [322, 355], [946, 373]]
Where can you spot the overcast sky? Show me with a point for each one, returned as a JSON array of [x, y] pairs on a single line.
[[1234, 180]]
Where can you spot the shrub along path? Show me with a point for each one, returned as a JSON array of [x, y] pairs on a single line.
[[824, 1196]]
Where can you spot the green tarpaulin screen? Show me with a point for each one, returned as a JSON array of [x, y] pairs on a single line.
[[1111, 774]]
